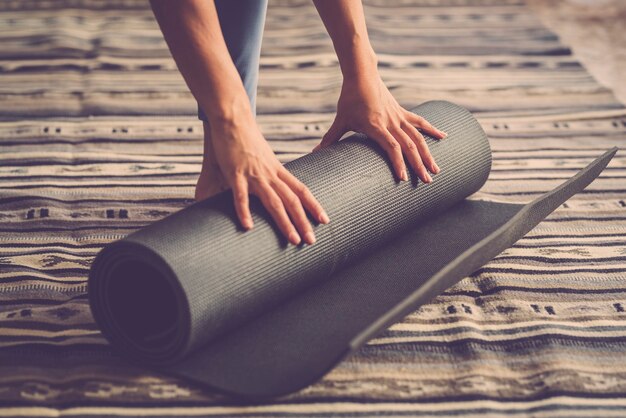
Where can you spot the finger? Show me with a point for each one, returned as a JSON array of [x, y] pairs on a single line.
[[242, 206], [274, 205], [420, 122], [422, 147], [309, 201], [393, 149], [410, 151], [295, 210], [333, 135]]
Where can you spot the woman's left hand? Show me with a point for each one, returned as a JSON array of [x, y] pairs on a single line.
[[366, 106]]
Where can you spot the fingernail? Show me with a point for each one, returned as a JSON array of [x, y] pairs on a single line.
[[247, 224], [405, 177], [309, 238], [294, 238], [428, 178], [436, 168], [324, 218], [443, 134]]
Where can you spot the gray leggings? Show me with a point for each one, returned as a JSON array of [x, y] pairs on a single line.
[[242, 24]]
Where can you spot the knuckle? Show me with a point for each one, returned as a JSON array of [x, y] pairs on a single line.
[[292, 201], [232, 175], [274, 179], [275, 203], [259, 184], [300, 188], [419, 137], [405, 124], [241, 196], [393, 145], [255, 177], [378, 132], [375, 119]]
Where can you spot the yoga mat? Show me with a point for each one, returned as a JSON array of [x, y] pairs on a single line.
[[247, 314]]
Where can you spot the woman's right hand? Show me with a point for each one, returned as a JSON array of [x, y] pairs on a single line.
[[249, 166]]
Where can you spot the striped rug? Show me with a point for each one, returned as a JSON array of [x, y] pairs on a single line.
[[99, 137]]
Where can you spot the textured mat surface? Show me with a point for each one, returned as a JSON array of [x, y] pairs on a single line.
[[538, 330], [199, 276]]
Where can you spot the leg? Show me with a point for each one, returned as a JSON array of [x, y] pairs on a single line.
[[242, 24]]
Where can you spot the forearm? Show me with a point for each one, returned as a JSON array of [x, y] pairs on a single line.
[[345, 22], [192, 31]]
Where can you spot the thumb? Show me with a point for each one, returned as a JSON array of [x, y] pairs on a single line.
[[333, 135]]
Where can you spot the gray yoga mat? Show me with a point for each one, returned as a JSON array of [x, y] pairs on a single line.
[[247, 314]]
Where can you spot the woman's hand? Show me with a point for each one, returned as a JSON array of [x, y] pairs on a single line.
[[244, 161], [237, 155], [366, 106]]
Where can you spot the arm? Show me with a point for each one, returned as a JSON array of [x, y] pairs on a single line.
[[192, 31], [246, 161], [365, 104]]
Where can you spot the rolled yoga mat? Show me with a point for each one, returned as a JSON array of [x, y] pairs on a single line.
[[250, 315]]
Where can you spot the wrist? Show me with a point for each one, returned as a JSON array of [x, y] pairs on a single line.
[[228, 110], [357, 58]]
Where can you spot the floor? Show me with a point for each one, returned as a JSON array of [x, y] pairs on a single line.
[[594, 29]]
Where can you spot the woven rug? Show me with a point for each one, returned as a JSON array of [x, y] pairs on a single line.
[[99, 137]]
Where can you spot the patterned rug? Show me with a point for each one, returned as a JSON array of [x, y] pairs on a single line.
[[99, 138]]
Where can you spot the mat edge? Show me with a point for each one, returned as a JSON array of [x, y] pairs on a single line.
[[447, 275]]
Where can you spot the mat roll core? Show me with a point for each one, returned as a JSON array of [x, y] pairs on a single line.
[[249, 314]]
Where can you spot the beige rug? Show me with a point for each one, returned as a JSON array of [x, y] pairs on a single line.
[[98, 137]]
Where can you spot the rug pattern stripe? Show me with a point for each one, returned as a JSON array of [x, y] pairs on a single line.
[[99, 137]]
